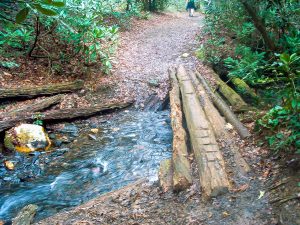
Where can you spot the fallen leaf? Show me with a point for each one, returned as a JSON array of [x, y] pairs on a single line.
[[261, 194]]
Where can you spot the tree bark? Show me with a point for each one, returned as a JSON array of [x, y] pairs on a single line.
[[62, 114], [231, 96], [260, 26], [182, 178], [41, 90], [34, 107], [218, 125], [213, 177], [243, 88], [165, 175], [224, 109]]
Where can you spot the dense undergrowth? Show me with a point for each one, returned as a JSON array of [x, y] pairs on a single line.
[[259, 42], [67, 33]]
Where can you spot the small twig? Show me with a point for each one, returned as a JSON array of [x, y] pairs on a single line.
[[37, 33], [283, 200]]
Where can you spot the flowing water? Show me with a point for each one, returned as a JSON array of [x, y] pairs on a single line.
[[128, 147]]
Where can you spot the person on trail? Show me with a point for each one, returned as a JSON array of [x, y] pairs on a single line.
[[190, 7]]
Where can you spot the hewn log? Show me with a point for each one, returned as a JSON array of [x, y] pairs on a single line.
[[213, 177], [224, 109], [182, 178], [34, 107], [165, 175], [63, 114], [41, 90], [218, 124]]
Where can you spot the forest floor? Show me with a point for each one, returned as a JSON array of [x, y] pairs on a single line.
[[140, 70]]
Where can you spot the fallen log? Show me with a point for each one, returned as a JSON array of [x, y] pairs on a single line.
[[182, 178], [213, 178], [41, 90], [218, 124], [62, 114], [34, 107], [165, 175], [243, 88], [231, 96], [224, 109]]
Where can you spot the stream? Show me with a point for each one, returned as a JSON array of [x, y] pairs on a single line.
[[128, 147]]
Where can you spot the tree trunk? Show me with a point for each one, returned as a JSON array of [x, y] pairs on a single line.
[[224, 109], [182, 178], [218, 125], [213, 177], [260, 26], [34, 107], [165, 175], [41, 90], [62, 114]]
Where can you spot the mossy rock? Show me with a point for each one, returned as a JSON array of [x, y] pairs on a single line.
[[27, 138]]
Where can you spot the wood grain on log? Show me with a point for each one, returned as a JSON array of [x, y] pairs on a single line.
[[34, 107], [41, 90], [224, 109], [182, 178], [213, 178], [63, 114], [218, 124]]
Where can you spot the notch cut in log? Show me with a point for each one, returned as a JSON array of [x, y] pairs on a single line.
[[165, 175], [41, 90], [34, 107], [182, 178], [211, 166], [218, 124], [224, 109], [63, 114]]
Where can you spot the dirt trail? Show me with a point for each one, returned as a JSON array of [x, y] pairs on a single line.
[[144, 56], [146, 52]]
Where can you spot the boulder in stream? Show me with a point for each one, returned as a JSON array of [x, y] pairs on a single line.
[[27, 138]]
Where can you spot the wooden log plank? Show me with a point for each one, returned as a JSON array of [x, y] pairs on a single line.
[[41, 90], [165, 175], [218, 124], [213, 178], [63, 114], [34, 107], [182, 178], [224, 109]]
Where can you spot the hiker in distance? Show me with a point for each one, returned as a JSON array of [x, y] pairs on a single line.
[[190, 7]]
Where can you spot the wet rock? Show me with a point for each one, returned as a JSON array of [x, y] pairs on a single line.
[[9, 165], [52, 136], [70, 129], [57, 143], [153, 83], [27, 138], [95, 130], [26, 215]]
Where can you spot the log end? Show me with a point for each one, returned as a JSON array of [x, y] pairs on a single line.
[[165, 175]]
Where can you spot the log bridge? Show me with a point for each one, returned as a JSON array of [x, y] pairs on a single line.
[[197, 117]]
